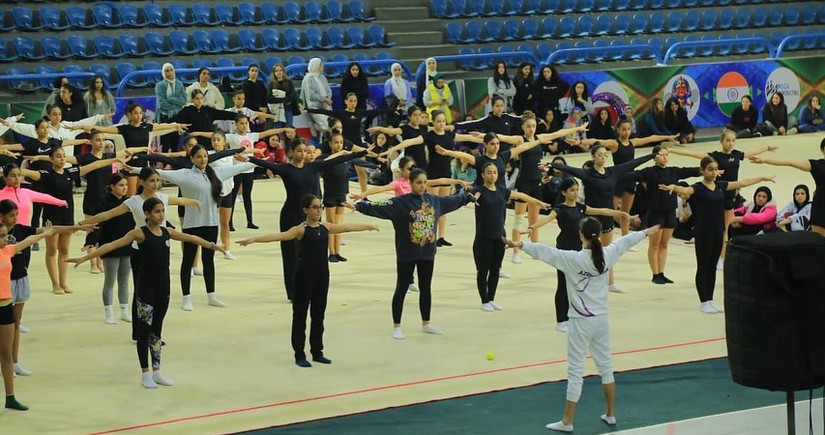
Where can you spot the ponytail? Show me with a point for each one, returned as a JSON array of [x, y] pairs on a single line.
[[590, 230]]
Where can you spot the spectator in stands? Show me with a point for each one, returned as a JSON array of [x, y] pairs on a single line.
[[550, 124], [501, 85], [775, 116], [316, 93], [796, 216], [171, 97], [523, 81], [58, 83], [575, 119], [744, 118], [811, 117], [655, 119], [422, 82], [438, 97], [254, 92], [280, 97], [272, 150], [71, 104], [755, 218], [578, 96], [98, 100], [200, 117], [400, 88], [355, 82], [628, 115], [676, 121], [602, 128], [548, 89], [211, 95]]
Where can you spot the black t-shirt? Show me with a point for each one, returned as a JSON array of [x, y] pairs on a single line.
[[20, 262], [116, 227], [569, 220], [417, 152], [490, 208], [501, 163], [818, 206], [529, 170], [728, 163], [58, 185], [135, 136], [708, 207], [653, 176], [336, 180], [97, 180], [438, 166], [36, 148]]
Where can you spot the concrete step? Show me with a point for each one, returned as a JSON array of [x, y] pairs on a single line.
[[431, 25], [402, 13], [408, 38]]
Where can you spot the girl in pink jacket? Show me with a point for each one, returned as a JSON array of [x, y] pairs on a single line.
[[757, 217], [24, 197]]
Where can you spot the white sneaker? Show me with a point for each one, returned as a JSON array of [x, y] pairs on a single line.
[[20, 370], [215, 302], [708, 308], [397, 334], [562, 327], [110, 315], [792, 130], [503, 274], [228, 255], [633, 249], [24, 329], [614, 289], [430, 329], [197, 271], [496, 306], [609, 420], [413, 287], [125, 315], [147, 381], [187, 303], [720, 264], [160, 380], [516, 258], [487, 307], [718, 310], [560, 426]]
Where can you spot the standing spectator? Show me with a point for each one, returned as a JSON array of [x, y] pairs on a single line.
[[775, 116], [55, 95], [438, 97], [676, 120], [71, 104], [98, 100], [523, 81], [254, 92], [400, 88], [548, 89], [355, 82], [171, 96], [501, 85], [316, 94], [422, 82], [211, 95], [744, 118], [811, 117], [655, 119], [280, 97]]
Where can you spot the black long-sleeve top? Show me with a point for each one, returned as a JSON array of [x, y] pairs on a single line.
[[490, 123], [352, 122], [660, 200], [547, 95], [358, 86], [778, 116], [254, 94], [598, 187], [598, 130], [116, 227], [201, 119], [742, 119], [678, 122]]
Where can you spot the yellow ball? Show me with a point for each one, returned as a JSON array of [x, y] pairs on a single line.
[[490, 356]]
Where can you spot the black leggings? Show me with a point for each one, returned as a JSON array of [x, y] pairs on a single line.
[[148, 332], [37, 211], [488, 254], [207, 259], [404, 270], [289, 257], [311, 290], [137, 269], [247, 181], [562, 302], [708, 247]]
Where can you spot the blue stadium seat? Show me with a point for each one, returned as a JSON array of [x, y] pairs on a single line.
[[454, 32], [179, 15], [292, 11], [811, 42], [202, 15], [808, 15], [567, 6], [467, 64], [44, 84], [673, 4], [760, 17], [247, 14], [487, 63], [272, 39], [656, 4], [621, 5], [691, 22], [292, 60], [511, 31], [530, 28], [527, 48], [338, 71], [775, 16], [79, 47], [315, 12], [604, 25], [512, 62], [438, 8], [543, 50], [658, 46], [477, 8], [222, 41], [357, 37], [249, 41], [690, 51], [378, 36], [104, 16], [293, 40], [130, 16], [638, 4], [202, 63], [203, 43], [151, 66], [473, 32], [492, 30], [225, 15], [3, 19], [315, 39], [550, 28], [586, 26], [586, 6], [26, 48], [706, 51], [689, 3], [740, 48], [776, 37], [271, 61], [225, 62], [743, 18], [272, 13], [51, 18], [124, 69], [21, 86], [507, 8], [78, 18], [822, 13], [706, 2], [335, 12], [106, 46], [567, 26], [669, 41], [155, 44], [357, 11], [54, 48], [383, 55], [674, 21], [723, 2], [640, 23], [77, 83], [458, 8], [532, 7], [581, 57], [154, 15], [337, 37], [622, 24], [726, 18], [709, 18], [564, 59], [657, 22], [616, 55], [793, 45], [103, 71], [180, 43], [130, 45], [24, 19], [7, 54]]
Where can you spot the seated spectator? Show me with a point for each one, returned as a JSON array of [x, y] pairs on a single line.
[[775, 116], [796, 216], [575, 119], [602, 127], [655, 119], [549, 124], [577, 96], [628, 115], [676, 120], [463, 170], [744, 119], [811, 117], [755, 218]]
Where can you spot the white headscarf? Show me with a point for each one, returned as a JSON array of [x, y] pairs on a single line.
[[434, 72], [399, 85], [315, 78], [170, 84]]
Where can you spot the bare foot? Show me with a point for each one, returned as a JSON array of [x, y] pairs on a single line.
[[66, 289], [58, 291], [95, 271]]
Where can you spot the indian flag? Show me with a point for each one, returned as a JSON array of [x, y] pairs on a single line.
[[729, 91]]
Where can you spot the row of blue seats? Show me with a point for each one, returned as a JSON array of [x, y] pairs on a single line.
[[659, 45], [120, 70], [179, 42], [115, 16], [625, 24], [497, 8]]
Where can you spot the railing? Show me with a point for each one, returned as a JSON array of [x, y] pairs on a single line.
[[793, 38], [158, 73], [717, 43], [601, 50], [480, 56], [300, 68], [41, 77]]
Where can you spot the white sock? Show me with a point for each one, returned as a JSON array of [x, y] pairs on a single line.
[[125, 315], [614, 289], [110, 315], [187, 303], [215, 302], [487, 307], [397, 334], [609, 420], [560, 426], [496, 306], [160, 380], [147, 381], [430, 329], [20, 370]]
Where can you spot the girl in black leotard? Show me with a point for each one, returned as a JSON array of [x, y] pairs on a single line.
[[569, 215], [311, 275], [153, 292]]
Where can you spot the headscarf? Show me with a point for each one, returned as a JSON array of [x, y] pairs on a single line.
[[807, 195], [433, 73], [170, 84], [767, 191], [399, 85], [315, 78]]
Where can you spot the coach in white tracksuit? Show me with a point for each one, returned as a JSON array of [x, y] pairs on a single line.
[[586, 272]]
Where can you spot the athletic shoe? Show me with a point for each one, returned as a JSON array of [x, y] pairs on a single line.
[[792, 130], [487, 307], [658, 279], [516, 258], [709, 308], [614, 289], [503, 274], [228, 255], [560, 426], [125, 315], [251, 226], [231, 228], [413, 287], [496, 306], [20, 370], [160, 380], [24, 329], [442, 242], [667, 280], [197, 271], [397, 334], [147, 381], [562, 327], [609, 420], [110, 316], [333, 258], [430, 329], [186, 305], [718, 310], [215, 302], [322, 359], [303, 363], [341, 258]]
